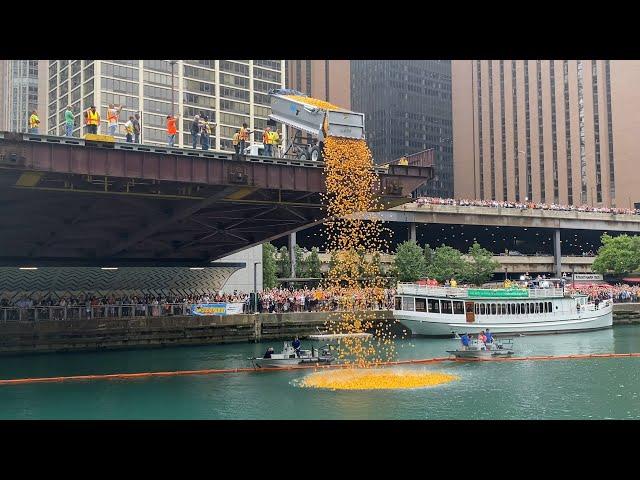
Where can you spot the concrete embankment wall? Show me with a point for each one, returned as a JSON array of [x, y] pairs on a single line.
[[108, 333], [111, 333], [626, 313]]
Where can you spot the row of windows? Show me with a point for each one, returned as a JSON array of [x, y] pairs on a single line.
[[567, 126], [612, 177], [158, 93], [596, 131], [491, 136], [126, 73], [234, 81], [199, 73], [120, 86], [481, 155], [540, 131], [202, 87], [554, 134], [504, 133], [157, 78], [583, 159], [201, 100], [528, 131], [433, 305]]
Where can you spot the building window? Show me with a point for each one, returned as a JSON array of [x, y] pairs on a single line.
[[516, 152], [503, 134], [612, 177], [583, 157], [527, 121], [596, 130], [567, 130], [543, 196], [554, 132], [491, 135], [480, 153]]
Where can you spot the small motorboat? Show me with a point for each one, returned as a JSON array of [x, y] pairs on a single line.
[[479, 349], [288, 357]]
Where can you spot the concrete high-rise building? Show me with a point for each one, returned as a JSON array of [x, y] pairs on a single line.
[[229, 92], [327, 80], [407, 104], [553, 131], [22, 90]]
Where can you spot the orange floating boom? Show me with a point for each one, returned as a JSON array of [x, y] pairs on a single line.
[[129, 376]]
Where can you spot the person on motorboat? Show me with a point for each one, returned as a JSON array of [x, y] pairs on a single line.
[[482, 337], [296, 346], [489, 336], [465, 341], [268, 353]]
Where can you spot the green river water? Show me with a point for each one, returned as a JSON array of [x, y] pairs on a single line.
[[598, 388]]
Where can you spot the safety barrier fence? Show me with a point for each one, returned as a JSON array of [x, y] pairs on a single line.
[[83, 312]]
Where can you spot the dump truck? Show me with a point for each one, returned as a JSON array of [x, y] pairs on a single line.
[[319, 122]]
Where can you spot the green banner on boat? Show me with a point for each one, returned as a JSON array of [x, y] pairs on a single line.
[[496, 293]]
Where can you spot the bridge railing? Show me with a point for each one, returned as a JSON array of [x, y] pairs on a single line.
[[84, 312]]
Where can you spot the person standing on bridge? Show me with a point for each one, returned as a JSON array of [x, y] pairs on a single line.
[[34, 122], [244, 137], [129, 129], [69, 121], [205, 132], [113, 113], [136, 128], [266, 141], [172, 130], [236, 144], [195, 130], [92, 118]]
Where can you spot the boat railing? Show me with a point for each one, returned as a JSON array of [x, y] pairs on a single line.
[[429, 290], [414, 289]]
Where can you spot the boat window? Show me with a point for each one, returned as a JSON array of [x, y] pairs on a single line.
[[549, 307], [516, 308], [434, 306], [458, 308], [421, 304], [532, 309], [446, 306], [407, 303], [508, 309], [493, 309], [476, 308], [398, 303], [523, 309], [482, 309], [541, 307]]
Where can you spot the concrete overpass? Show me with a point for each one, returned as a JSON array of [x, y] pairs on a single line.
[[555, 220], [511, 264], [70, 202]]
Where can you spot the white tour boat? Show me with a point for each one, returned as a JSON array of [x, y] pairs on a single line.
[[445, 311]]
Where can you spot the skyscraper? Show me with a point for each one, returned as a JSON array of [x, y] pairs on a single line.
[[22, 90], [229, 92], [407, 107], [552, 131]]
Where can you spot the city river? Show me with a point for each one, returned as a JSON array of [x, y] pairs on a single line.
[[598, 388]]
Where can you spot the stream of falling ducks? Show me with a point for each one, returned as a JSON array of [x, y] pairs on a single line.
[[354, 236]]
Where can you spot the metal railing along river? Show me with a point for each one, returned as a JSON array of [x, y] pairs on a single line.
[[84, 312]]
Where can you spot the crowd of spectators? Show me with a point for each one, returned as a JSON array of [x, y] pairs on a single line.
[[275, 300], [620, 293], [279, 300], [524, 205]]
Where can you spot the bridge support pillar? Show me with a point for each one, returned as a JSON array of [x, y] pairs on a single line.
[[292, 253], [412, 232], [557, 253]]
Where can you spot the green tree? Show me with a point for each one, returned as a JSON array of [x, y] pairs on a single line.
[[313, 264], [301, 264], [619, 254], [481, 265], [269, 267], [428, 254], [284, 263], [409, 262], [447, 263]]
